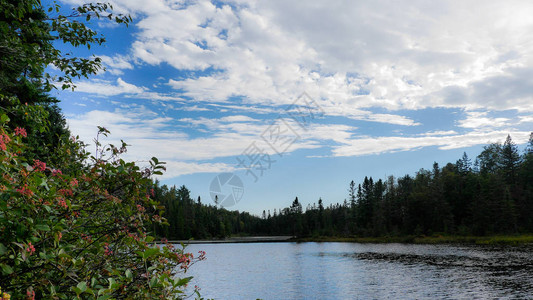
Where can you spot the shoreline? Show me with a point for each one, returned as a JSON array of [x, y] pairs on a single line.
[[235, 240], [437, 239]]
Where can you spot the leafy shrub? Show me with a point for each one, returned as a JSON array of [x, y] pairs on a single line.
[[79, 229]]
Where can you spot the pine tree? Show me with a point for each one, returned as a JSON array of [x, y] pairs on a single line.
[[352, 193], [529, 147], [321, 213], [296, 215], [464, 165], [510, 160]]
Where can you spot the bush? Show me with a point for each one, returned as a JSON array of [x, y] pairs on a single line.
[[79, 229]]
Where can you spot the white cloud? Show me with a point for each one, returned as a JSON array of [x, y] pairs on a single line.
[[440, 132], [193, 108], [526, 119], [147, 132], [366, 146], [237, 118], [107, 88], [478, 120], [178, 168], [130, 122], [151, 135], [115, 65], [401, 55]]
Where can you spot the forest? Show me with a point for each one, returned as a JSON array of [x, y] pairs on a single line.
[[491, 194]]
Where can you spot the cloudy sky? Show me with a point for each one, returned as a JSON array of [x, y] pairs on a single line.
[[298, 98]]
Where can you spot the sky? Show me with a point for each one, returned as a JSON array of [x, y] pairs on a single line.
[[272, 100]]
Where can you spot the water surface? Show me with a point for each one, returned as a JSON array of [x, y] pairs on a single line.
[[363, 271]]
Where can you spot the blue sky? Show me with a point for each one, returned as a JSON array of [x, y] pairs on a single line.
[[386, 88]]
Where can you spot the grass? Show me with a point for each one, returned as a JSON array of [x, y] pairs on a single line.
[[434, 239]]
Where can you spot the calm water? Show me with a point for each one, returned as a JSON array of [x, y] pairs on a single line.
[[363, 271]]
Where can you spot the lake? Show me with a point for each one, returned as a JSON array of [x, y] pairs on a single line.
[[362, 271]]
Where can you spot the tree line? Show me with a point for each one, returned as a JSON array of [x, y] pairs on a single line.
[[492, 194], [188, 218]]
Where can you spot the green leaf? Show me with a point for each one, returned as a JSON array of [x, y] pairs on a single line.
[[82, 286], [129, 275], [182, 281], [150, 252], [52, 290], [4, 118], [40, 181], [76, 290], [42, 227], [153, 281], [112, 283], [7, 269], [3, 249]]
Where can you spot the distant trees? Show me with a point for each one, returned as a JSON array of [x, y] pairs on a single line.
[[493, 195], [189, 219], [525, 188]]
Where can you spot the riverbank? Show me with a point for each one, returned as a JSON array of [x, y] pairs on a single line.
[[437, 239], [246, 239]]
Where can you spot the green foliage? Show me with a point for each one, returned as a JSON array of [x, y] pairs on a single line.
[[73, 226], [29, 31], [81, 232], [29, 35], [45, 126]]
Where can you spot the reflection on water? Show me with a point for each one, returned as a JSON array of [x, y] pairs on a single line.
[[363, 271]]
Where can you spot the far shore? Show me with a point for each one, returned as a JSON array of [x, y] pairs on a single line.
[[435, 239], [246, 239]]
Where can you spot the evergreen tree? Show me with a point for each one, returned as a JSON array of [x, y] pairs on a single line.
[[352, 194], [296, 216], [490, 159], [321, 213], [464, 165], [529, 147], [510, 159]]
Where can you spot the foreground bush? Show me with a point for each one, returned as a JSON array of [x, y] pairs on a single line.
[[79, 229]]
